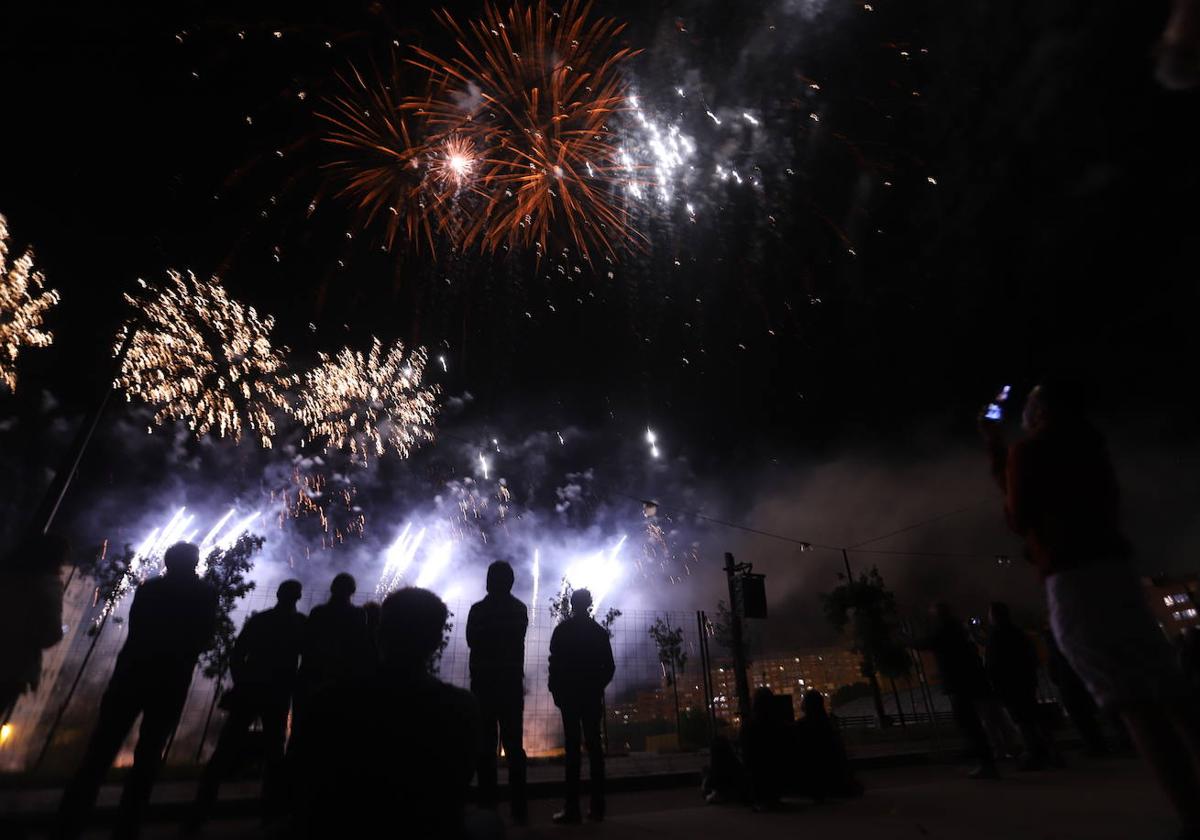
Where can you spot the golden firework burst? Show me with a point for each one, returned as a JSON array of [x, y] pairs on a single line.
[[365, 403], [202, 357], [24, 301]]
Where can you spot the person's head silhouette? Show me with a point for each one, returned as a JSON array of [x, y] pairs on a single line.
[[581, 602], [411, 626], [814, 705], [289, 593], [500, 578], [342, 587], [181, 558]]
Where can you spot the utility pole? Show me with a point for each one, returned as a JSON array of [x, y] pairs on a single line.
[[735, 633]]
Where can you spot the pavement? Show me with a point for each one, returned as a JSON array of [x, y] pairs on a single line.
[[1110, 799]]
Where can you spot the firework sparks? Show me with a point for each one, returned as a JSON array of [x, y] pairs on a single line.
[[366, 403], [454, 162], [399, 557], [533, 89], [377, 165], [202, 357], [23, 306], [598, 573], [652, 442]]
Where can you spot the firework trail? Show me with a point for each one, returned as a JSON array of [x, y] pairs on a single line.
[[200, 356], [365, 403], [23, 306]]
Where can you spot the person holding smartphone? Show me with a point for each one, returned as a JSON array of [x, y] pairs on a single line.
[[1061, 496]]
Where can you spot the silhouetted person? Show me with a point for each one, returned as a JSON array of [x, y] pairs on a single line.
[[337, 660], [422, 736], [581, 667], [1073, 694], [31, 618], [964, 682], [824, 767], [496, 635], [263, 667], [1012, 668], [765, 740], [1061, 496], [171, 622]]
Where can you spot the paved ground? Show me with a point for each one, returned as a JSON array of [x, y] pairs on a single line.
[[1103, 800]]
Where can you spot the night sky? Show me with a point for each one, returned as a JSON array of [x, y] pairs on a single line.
[[988, 193]]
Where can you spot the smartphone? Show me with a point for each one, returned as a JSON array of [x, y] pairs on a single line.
[[995, 410]]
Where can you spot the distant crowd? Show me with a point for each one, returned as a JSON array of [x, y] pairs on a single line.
[[356, 729]]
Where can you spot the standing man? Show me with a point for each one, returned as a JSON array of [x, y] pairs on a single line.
[[171, 622], [263, 667], [581, 667], [1012, 669], [496, 635], [963, 680]]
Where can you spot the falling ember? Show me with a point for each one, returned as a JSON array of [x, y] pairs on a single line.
[[366, 403], [652, 441], [200, 356], [23, 306]]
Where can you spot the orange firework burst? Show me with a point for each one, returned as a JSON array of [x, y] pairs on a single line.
[[532, 89], [378, 166]]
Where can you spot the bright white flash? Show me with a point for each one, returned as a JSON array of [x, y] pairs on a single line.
[[483, 465], [598, 573], [436, 561]]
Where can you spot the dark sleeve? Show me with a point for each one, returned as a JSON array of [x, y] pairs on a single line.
[[998, 459], [142, 597], [243, 642], [472, 626], [555, 654], [1019, 506], [609, 667]]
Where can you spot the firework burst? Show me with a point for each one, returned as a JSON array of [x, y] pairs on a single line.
[[376, 167], [23, 306], [365, 403], [202, 357], [533, 90]]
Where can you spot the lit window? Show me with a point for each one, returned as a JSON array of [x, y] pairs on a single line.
[[1180, 615]]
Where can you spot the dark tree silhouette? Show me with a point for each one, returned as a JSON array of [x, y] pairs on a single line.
[[673, 658], [228, 572], [866, 609]]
